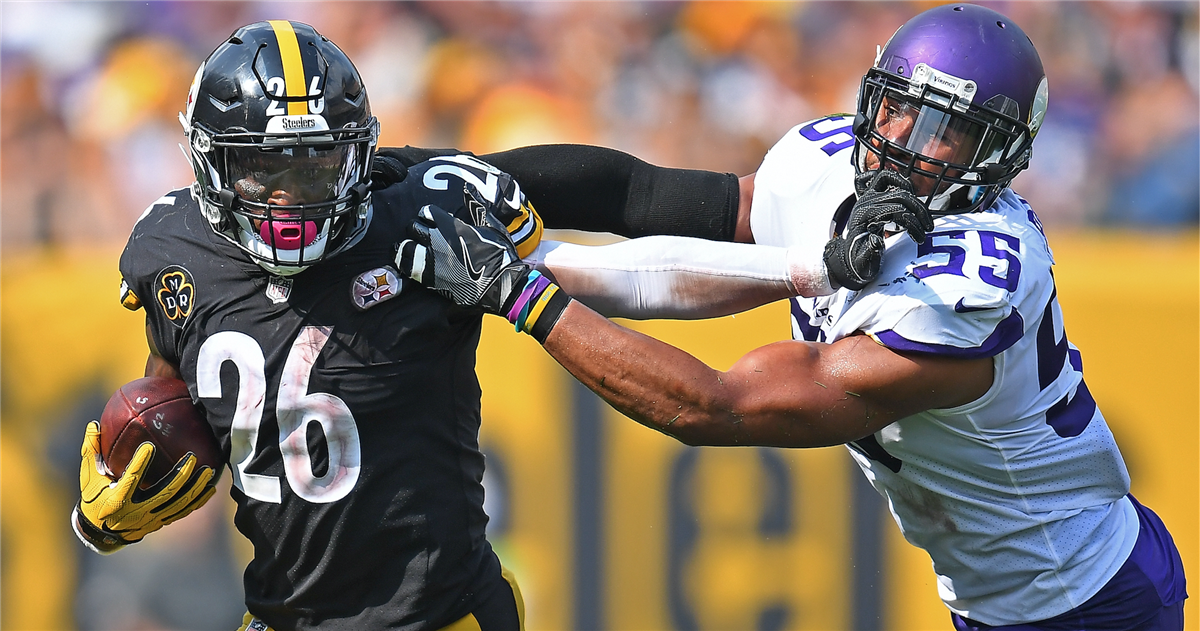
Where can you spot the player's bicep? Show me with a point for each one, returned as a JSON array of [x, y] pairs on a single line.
[[800, 394]]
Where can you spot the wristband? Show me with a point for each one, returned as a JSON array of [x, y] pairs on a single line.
[[95, 538], [538, 306]]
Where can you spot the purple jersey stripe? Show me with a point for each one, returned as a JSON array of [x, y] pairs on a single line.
[[1006, 334], [808, 332], [1076, 360]]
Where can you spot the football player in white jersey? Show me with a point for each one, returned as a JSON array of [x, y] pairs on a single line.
[[942, 364]]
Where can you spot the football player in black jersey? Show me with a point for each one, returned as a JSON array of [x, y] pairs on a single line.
[[344, 396]]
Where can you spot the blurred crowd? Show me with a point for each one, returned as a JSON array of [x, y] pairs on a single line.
[[91, 92]]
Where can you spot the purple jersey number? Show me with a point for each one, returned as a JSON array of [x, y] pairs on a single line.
[[956, 256], [810, 132], [1072, 413]]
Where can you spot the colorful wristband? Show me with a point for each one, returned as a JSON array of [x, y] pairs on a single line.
[[538, 306]]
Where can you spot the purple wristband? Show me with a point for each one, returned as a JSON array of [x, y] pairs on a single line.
[[534, 286]]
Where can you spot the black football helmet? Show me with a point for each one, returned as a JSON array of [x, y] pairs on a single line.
[[281, 138], [953, 102]]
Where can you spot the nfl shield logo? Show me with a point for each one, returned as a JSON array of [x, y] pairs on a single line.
[[374, 287], [279, 289]]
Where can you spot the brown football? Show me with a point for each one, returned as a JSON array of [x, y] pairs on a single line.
[[158, 410]]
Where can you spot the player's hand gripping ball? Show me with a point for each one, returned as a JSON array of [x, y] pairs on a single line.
[[157, 410], [150, 460]]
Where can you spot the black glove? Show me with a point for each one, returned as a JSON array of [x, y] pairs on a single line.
[[391, 164], [852, 259], [386, 171], [477, 266], [472, 265]]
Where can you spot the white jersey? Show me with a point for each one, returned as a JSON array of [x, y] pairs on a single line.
[[1019, 497]]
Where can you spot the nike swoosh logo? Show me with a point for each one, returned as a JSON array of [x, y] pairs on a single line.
[[959, 307], [471, 271]]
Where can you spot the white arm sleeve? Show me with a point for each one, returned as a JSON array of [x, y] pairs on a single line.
[[680, 277]]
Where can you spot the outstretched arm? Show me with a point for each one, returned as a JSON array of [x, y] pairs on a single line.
[[792, 394], [680, 277], [597, 189], [788, 394]]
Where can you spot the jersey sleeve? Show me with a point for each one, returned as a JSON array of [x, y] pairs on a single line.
[[801, 182], [141, 265], [954, 297], [496, 191], [973, 326]]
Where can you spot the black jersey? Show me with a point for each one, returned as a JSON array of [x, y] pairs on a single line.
[[347, 403]]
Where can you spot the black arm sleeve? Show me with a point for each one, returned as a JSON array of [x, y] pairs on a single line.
[[583, 187]]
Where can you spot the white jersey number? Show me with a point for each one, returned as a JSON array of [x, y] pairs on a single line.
[[483, 176], [295, 409]]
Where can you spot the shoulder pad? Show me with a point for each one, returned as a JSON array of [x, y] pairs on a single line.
[[802, 181], [956, 294]]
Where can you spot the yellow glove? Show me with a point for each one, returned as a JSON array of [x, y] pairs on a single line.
[[112, 514]]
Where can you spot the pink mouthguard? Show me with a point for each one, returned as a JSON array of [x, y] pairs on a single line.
[[288, 235]]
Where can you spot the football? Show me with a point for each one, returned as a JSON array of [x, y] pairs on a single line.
[[158, 410]]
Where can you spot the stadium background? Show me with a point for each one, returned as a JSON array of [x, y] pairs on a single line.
[[607, 525]]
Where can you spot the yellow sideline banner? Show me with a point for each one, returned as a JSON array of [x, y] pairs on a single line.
[[604, 521]]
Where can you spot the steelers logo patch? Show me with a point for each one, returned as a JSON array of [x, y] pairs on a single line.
[[176, 293], [373, 287]]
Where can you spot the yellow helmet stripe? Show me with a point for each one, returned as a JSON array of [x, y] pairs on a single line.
[[293, 66]]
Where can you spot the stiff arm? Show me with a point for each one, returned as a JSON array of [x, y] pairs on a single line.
[[680, 277]]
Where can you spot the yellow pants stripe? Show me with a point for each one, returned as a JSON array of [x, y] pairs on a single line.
[[465, 623], [516, 589]]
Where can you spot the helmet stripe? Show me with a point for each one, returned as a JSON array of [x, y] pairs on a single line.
[[293, 66]]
